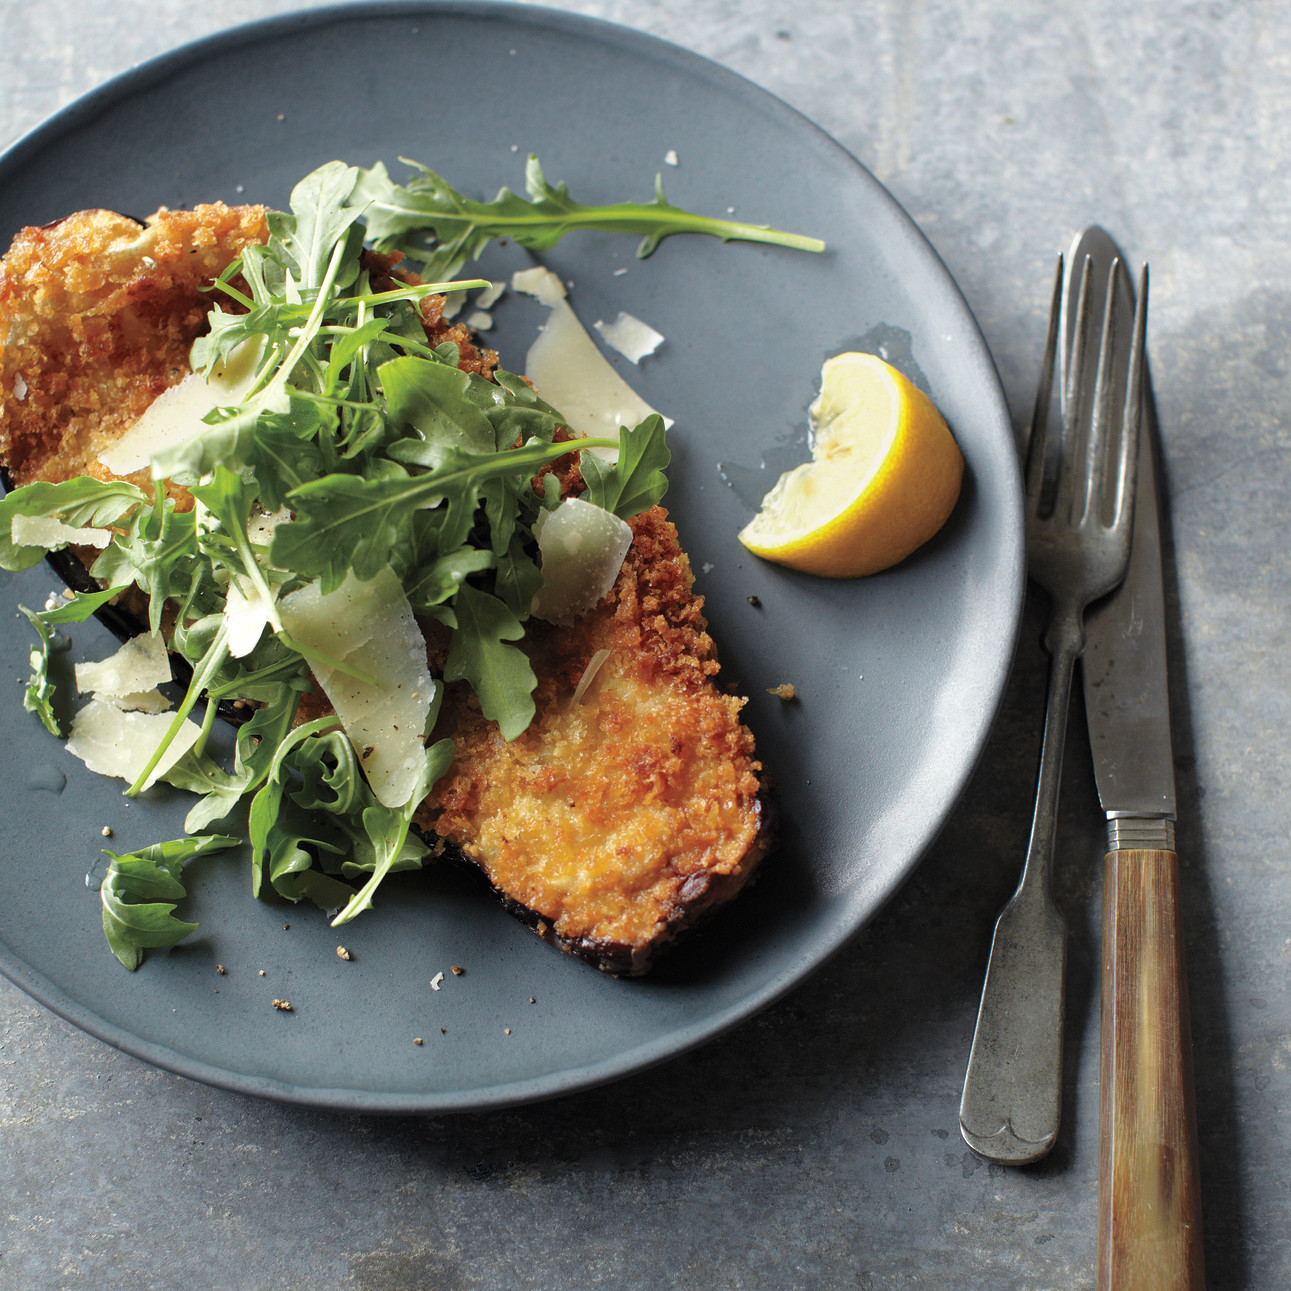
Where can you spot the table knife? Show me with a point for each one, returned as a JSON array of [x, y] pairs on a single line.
[[1149, 1216]]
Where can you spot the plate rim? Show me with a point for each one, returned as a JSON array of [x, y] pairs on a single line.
[[832, 937]]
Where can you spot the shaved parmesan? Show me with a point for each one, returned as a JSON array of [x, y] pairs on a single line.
[[138, 666], [630, 336], [246, 611], [175, 415], [480, 319], [369, 627], [569, 371], [53, 535], [490, 295], [540, 283], [114, 743], [582, 550]]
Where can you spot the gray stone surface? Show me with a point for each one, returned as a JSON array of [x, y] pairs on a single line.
[[817, 1145]]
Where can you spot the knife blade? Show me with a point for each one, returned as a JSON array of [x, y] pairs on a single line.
[[1149, 1218]]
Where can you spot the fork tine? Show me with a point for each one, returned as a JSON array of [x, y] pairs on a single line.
[[1080, 332], [1098, 426], [1128, 465], [1075, 406], [1043, 455]]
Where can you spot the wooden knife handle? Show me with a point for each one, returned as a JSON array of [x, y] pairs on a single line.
[[1149, 1194]]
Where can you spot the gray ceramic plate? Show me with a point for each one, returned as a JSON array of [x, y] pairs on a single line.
[[899, 675]]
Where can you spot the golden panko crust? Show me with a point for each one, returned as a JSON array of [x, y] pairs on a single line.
[[97, 316]]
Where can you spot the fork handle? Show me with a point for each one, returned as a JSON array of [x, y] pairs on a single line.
[[1011, 1106], [1149, 1210]]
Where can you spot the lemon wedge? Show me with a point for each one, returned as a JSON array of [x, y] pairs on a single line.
[[884, 476]]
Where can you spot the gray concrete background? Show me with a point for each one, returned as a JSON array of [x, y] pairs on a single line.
[[817, 1146]]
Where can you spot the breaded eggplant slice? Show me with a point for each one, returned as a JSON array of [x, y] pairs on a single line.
[[618, 819], [609, 826]]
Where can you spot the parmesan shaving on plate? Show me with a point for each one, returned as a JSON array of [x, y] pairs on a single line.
[[569, 372], [540, 283], [370, 628], [114, 743], [138, 666], [582, 550], [630, 336], [175, 415], [45, 531]]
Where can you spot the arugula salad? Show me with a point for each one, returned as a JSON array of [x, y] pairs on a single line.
[[362, 481]]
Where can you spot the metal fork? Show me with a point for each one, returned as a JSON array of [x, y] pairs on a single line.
[[1080, 503]]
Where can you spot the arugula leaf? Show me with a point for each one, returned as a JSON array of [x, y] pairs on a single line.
[[282, 460], [387, 828], [518, 579], [432, 397], [139, 894], [38, 696], [518, 413], [320, 215], [158, 553], [257, 742], [78, 609], [500, 674], [228, 443], [77, 502], [345, 523], [636, 481], [277, 843], [464, 227], [441, 579], [311, 800]]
